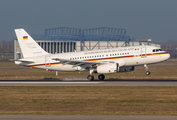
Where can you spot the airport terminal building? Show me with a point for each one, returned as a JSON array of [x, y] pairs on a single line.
[[63, 39]]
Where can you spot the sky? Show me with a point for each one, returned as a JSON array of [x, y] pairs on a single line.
[[143, 19]]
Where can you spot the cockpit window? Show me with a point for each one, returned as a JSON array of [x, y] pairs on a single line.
[[156, 50]]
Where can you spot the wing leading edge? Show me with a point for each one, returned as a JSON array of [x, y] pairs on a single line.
[[82, 64]]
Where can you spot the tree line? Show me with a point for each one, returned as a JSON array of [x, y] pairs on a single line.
[[7, 46]]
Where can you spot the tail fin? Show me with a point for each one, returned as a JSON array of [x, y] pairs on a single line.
[[27, 44]]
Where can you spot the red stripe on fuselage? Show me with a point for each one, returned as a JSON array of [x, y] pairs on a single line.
[[101, 59]]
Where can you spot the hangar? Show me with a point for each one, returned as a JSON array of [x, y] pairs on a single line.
[[64, 39]]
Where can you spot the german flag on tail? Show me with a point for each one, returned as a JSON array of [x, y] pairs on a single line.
[[25, 37]]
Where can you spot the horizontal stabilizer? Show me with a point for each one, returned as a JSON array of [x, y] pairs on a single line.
[[25, 60]]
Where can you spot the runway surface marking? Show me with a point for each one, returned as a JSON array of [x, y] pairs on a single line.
[[111, 82], [50, 82]]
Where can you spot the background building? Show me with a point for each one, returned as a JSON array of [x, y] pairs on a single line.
[[63, 39]]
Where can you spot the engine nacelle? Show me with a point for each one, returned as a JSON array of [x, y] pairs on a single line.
[[127, 69], [107, 68]]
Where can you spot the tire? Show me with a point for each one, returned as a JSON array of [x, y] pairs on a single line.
[[101, 77], [90, 77], [147, 73]]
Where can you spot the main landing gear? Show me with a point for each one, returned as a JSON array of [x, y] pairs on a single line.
[[91, 77], [146, 67], [100, 77]]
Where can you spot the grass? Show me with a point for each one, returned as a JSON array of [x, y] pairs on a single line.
[[91, 100], [164, 70]]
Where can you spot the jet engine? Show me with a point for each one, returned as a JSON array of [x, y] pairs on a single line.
[[107, 68], [112, 68]]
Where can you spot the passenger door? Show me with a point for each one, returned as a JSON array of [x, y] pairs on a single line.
[[143, 52], [47, 61]]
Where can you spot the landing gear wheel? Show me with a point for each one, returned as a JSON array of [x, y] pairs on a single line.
[[147, 73], [146, 68], [90, 77], [101, 77]]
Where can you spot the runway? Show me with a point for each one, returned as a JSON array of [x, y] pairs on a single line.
[[84, 82]]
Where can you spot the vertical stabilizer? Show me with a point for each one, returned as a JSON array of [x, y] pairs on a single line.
[[27, 44]]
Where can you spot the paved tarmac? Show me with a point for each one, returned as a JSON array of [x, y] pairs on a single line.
[[85, 117], [85, 82]]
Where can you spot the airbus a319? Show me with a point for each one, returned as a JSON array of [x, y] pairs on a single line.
[[103, 61]]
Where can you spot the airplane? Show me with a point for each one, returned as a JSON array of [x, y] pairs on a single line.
[[102, 61]]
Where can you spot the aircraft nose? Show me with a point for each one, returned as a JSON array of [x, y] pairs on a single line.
[[167, 55]]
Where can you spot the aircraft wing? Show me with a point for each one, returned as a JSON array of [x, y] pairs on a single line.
[[82, 64]]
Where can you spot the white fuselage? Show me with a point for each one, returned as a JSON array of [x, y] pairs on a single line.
[[125, 56]]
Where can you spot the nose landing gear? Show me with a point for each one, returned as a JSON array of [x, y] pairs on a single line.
[[146, 68], [147, 73]]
